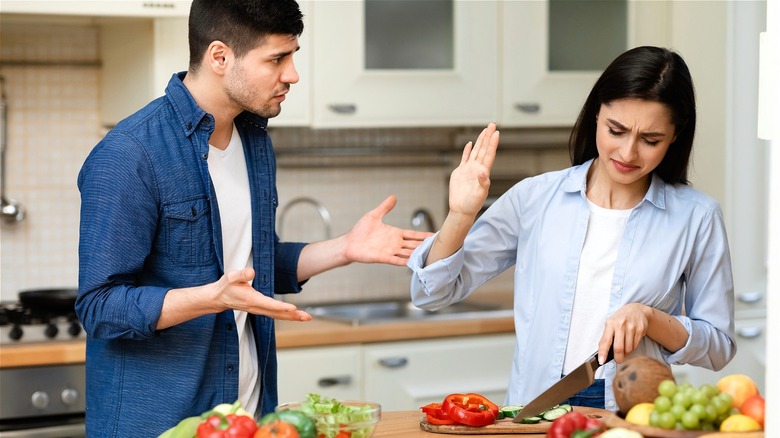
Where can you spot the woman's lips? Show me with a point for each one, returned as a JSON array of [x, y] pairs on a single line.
[[623, 167]]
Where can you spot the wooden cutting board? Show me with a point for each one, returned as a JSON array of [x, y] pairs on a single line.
[[612, 421], [507, 426]]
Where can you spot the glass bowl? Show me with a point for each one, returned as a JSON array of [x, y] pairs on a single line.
[[357, 418]]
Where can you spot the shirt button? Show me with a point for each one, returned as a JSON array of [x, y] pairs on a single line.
[[611, 365], [611, 403], [189, 126], [230, 367], [229, 327]]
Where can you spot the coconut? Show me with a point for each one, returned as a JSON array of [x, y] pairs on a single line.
[[636, 381]]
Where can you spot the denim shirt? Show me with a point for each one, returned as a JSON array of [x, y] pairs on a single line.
[[150, 223], [673, 256]]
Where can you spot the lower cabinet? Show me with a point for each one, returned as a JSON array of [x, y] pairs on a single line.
[[400, 375], [335, 371]]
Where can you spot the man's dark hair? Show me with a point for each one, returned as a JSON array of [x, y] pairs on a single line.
[[240, 24], [647, 73]]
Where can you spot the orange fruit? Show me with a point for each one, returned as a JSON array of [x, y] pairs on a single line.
[[739, 387], [739, 423], [754, 407]]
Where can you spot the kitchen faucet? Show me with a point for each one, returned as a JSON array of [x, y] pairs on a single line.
[[321, 210], [422, 216]]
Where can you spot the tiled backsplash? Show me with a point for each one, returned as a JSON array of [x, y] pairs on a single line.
[[52, 80]]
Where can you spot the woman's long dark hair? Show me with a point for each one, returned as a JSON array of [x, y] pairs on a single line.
[[648, 73]]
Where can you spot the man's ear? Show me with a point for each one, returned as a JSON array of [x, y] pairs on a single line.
[[218, 55]]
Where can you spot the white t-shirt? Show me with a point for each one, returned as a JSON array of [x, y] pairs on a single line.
[[594, 281], [231, 183]]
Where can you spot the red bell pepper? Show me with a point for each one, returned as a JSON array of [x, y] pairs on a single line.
[[434, 414], [470, 409], [575, 424], [218, 425]]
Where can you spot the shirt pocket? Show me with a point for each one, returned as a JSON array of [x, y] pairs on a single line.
[[188, 233]]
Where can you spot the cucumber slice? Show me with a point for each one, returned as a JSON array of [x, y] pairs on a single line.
[[531, 420], [568, 408], [509, 411], [554, 413]]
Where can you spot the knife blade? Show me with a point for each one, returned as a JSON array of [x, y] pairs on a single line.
[[574, 382]]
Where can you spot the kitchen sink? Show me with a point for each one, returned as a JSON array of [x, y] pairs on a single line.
[[375, 312]]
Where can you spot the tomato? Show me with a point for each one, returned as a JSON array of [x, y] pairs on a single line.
[[434, 414], [276, 429], [470, 409], [754, 407], [574, 424], [231, 425]]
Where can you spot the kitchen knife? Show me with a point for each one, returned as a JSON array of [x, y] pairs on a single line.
[[574, 382]]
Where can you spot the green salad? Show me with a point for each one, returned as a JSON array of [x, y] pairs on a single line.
[[333, 416]]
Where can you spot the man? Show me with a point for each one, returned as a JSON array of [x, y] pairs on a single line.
[[177, 233]]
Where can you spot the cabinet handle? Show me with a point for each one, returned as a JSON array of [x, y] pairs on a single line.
[[528, 108], [343, 108], [750, 297], [749, 332], [394, 362], [327, 382]]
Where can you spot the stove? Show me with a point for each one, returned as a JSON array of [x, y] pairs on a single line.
[[40, 401], [20, 324]]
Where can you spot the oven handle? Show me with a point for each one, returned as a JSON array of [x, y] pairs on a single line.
[[63, 431]]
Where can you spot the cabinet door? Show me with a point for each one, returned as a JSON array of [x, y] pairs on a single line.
[[750, 359], [330, 371], [553, 52], [397, 63], [103, 8], [407, 375]]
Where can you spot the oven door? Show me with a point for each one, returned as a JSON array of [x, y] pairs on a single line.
[[42, 401]]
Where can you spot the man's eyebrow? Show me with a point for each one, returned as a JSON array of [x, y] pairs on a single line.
[[646, 134], [284, 53]]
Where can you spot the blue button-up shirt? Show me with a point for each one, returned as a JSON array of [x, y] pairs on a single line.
[[150, 223], [673, 256]]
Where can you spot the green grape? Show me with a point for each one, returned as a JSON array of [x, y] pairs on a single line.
[[667, 388], [720, 404], [699, 410], [681, 398], [662, 404], [690, 420], [710, 390], [727, 397], [700, 397], [712, 413], [655, 418], [667, 421], [677, 411]]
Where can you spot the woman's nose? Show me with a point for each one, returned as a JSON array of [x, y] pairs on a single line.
[[628, 150]]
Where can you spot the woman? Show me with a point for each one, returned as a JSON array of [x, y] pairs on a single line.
[[616, 251]]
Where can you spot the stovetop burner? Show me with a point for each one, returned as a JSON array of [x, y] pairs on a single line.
[[20, 324]]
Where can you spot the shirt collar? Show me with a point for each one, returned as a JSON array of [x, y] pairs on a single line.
[[576, 181], [191, 115]]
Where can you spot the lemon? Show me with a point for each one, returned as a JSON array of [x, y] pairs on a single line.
[[640, 413], [739, 423]]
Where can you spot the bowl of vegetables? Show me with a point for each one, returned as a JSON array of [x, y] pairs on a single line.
[[338, 418]]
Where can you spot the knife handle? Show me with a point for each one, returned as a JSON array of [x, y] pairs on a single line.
[[610, 355]]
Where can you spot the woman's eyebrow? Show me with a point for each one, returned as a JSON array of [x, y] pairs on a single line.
[[646, 134]]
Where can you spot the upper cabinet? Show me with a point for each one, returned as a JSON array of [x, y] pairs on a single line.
[[296, 108], [100, 8], [554, 51], [403, 63]]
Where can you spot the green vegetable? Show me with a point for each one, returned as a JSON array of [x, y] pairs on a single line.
[[329, 414], [185, 429], [509, 411], [303, 424]]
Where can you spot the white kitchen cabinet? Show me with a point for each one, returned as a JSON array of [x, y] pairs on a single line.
[[139, 56], [296, 108], [101, 8], [749, 360], [331, 371], [380, 68], [409, 374], [553, 52]]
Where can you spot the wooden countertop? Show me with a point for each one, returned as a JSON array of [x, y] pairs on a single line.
[[289, 334], [406, 424]]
